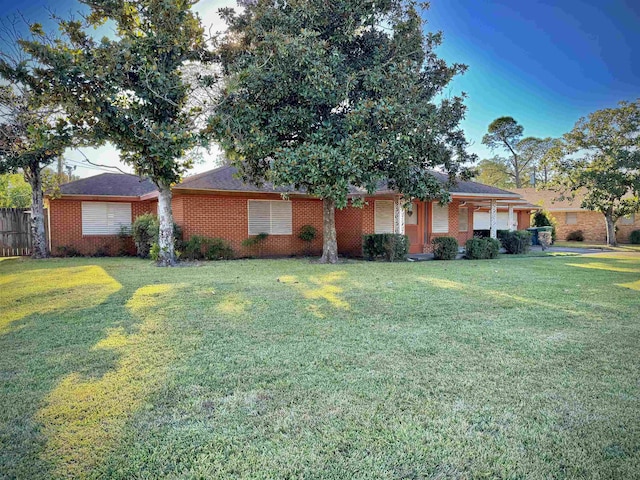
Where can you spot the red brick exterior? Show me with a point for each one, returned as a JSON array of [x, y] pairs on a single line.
[[454, 225], [226, 216], [66, 228], [349, 230], [593, 226]]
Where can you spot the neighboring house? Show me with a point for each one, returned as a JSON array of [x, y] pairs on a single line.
[[570, 217], [89, 213]]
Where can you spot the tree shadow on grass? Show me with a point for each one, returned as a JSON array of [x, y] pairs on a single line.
[[80, 354]]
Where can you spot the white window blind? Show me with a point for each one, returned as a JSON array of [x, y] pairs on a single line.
[[571, 218], [383, 216], [463, 219], [270, 216], [105, 218], [440, 218]]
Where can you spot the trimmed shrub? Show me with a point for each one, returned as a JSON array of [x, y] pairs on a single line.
[[218, 249], [390, 246], [635, 237], [576, 236], [308, 234], [200, 248], [482, 248], [68, 251], [517, 242], [145, 233], [445, 248]]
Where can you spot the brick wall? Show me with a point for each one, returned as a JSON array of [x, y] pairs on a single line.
[[349, 231], [454, 225], [593, 226], [591, 223], [226, 217], [66, 228], [624, 231]]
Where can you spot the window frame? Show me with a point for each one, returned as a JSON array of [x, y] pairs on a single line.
[[466, 217], [435, 205], [375, 215], [566, 218], [290, 222], [105, 229]]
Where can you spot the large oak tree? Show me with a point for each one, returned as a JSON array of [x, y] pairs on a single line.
[[133, 90], [327, 95], [600, 158], [34, 131]]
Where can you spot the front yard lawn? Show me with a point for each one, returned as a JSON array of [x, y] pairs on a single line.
[[513, 368]]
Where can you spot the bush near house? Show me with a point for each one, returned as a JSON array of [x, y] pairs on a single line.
[[516, 242], [145, 234], [445, 248], [482, 248], [204, 248], [634, 238], [576, 236], [389, 246]]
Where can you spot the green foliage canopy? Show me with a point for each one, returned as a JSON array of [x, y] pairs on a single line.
[[324, 96], [600, 158], [131, 89]]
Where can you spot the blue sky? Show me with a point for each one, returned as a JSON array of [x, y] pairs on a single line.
[[545, 63]]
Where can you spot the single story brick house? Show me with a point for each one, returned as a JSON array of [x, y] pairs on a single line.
[[570, 217], [89, 213]]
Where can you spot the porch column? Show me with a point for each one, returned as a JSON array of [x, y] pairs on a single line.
[[398, 216], [511, 222], [493, 218]]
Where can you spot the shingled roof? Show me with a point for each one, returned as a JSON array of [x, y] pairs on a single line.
[[224, 179], [551, 200], [109, 184]]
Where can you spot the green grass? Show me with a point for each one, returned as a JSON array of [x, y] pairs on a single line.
[[602, 246], [513, 368]]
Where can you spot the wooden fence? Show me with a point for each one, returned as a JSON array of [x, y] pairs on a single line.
[[15, 231]]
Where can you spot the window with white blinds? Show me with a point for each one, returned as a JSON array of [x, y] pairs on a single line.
[[440, 218], [105, 218], [270, 216], [383, 216], [571, 218], [463, 219]]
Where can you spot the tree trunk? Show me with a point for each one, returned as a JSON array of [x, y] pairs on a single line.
[[611, 229], [167, 254], [39, 244], [329, 239], [516, 171]]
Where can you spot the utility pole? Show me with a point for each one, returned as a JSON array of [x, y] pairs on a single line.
[[59, 170]]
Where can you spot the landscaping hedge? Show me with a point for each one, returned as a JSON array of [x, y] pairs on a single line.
[[481, 248], [199, 247], [516, 242], [576, 236], [389, 246], [635, 237], [445, 248]]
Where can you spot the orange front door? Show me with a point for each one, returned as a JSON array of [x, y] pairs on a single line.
[[414, 227]]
